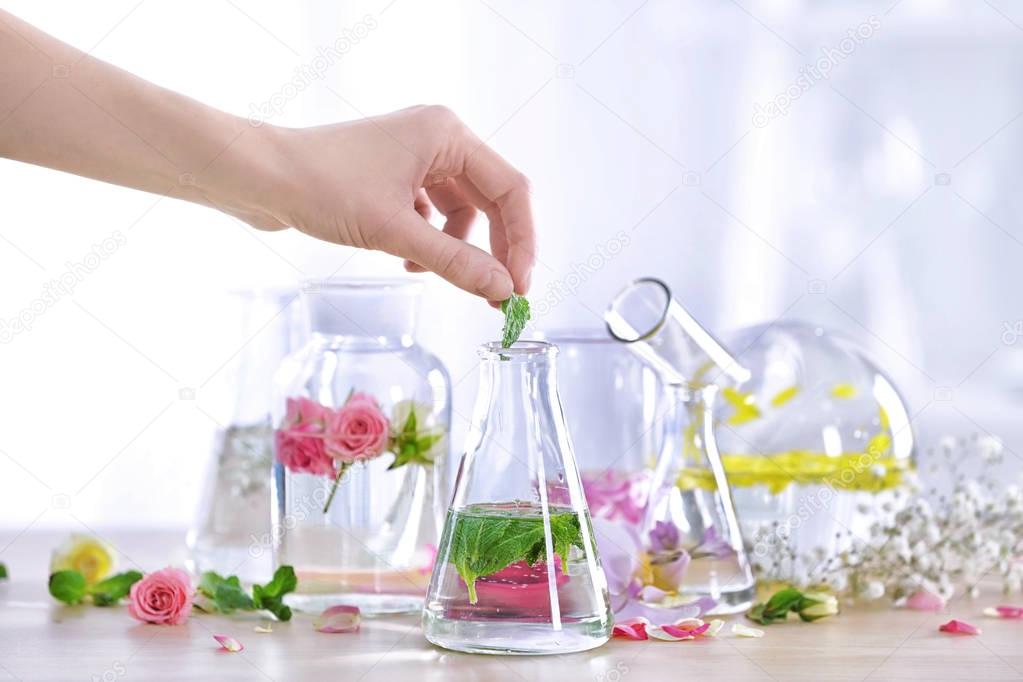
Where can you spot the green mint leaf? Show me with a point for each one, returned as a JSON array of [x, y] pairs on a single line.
[[271, 596], [226, 593], [3, 571], [68, 586], [283, 582], [783, 601], [208, 582], [516, 314], [777, 608], [110, 591], [483, 545]]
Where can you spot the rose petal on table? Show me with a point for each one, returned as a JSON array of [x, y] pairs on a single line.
[[925, 600], [263, 629], [687, 628], [338, 619], [1004, 611], [958, 627], [740, 630], [632, 628], [228, 643]]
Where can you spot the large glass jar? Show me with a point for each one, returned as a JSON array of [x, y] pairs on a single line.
[[362, 415]]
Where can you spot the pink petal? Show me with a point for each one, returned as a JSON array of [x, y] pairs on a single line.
[[633, 628], [959, 627], [228, 643], [1011, 612], [338, 619], [687, 628], [925, 600], [670, 633]]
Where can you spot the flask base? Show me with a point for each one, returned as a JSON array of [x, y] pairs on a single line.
[[515, 638], [369, 604]]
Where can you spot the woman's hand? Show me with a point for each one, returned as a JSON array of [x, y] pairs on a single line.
[[371, 184], [367, 183]]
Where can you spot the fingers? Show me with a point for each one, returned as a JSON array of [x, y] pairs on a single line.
[[503, 194], [462, 264], [452, 203], [423, 208], [422, 204], [455, 206]]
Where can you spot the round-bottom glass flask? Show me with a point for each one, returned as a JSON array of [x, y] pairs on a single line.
[[517, 570]]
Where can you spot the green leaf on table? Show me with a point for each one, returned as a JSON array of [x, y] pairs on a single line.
[[227, 593], [3, 571], [110, 591], [483, 545], [784, 600], [271, 596], [777, 608], [516, 314], [68, 586]]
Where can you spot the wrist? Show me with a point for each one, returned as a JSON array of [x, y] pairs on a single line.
[[249, 176]]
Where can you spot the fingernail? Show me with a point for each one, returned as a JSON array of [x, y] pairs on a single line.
[[497, 285]]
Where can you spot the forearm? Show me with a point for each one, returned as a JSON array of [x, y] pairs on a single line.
[[66, 110]]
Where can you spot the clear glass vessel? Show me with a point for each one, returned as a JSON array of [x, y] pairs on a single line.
[[694, 544], [517, 571], [361, 420], [231, 533], [597, 377], [814, 438], [691, 532], [818, 444]]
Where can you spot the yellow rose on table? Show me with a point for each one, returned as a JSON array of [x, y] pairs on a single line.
[[90, 556]]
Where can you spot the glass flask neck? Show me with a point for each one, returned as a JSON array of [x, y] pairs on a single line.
[[518, 427], [362, 313], [517, 395], [657, 328]]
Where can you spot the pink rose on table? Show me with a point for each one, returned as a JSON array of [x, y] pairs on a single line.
[[163, 597], [357, 430], [301, 449]]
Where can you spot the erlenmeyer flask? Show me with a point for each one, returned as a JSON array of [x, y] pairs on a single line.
[[517, 570], [694, 545]]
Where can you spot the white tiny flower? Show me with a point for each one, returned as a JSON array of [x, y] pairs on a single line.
[[989, 446], [873, 590]]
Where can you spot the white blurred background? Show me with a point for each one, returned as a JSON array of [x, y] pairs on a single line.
[[882, 202]]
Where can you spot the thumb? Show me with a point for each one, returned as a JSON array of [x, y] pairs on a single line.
[[464, 265]]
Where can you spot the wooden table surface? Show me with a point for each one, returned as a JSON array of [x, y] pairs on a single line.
[[40, 640]]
